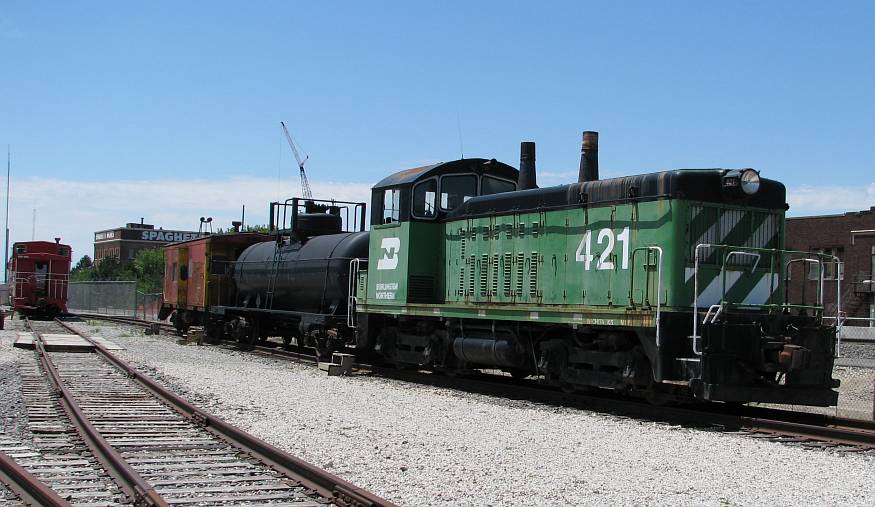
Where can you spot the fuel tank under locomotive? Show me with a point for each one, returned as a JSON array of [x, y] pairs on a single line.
[[311, 277]]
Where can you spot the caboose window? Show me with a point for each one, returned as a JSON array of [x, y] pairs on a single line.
[[490, 185], [424, 199], [455, 190], [391, 205], [20, 249]]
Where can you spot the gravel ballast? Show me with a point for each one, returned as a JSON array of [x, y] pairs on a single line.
[[422, 445]]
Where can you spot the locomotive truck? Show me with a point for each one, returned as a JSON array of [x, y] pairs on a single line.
[[669, 285]]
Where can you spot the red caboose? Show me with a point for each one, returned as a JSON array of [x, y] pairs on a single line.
[[39, 273]]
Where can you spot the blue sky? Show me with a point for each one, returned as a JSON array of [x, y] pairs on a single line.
[[179, 95]]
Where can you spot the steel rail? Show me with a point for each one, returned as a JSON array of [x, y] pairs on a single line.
[[804, 425], [815, 427], [310, 476], [128, 479], [28, 487]]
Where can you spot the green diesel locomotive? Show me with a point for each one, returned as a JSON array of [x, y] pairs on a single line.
[[669, 284]]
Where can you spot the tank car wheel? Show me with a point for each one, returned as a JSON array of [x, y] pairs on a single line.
[[253, 336], [567, 387]]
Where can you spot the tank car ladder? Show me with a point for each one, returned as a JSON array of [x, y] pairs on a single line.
[[274, 272]]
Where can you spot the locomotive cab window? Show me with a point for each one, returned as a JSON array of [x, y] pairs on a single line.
[[455, 190], [391, 205], [425, 199], [490, 185]]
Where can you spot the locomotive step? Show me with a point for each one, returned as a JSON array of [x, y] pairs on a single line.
[[340, 364]]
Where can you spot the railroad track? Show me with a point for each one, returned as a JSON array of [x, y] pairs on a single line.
[[161, 450], [782, 425], [20, 487]]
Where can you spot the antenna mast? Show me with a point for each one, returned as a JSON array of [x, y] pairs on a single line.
[[305, 185], [6, 249]]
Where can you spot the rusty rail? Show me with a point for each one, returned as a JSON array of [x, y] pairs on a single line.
[[320, 481], [128, 479], [779, 422], [24, 484]]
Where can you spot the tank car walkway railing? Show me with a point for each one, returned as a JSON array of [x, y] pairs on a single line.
[[776, 258]]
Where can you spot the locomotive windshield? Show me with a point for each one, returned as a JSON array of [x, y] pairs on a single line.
[[424, 195], [490, 185], [457, 189]]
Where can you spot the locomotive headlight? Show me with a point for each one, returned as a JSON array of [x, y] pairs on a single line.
[[750, 181]]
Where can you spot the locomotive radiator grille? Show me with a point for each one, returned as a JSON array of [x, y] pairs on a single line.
[[533, 276], [745, 228], [520, 265], [484, 274], [508, 273], [471, 264], [494, 285]]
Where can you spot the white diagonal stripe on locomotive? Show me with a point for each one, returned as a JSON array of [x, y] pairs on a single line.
[[745, 228]]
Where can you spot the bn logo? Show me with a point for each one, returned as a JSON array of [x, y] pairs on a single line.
[[390, 248]]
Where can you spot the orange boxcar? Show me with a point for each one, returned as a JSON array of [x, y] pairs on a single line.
[[198, 274]]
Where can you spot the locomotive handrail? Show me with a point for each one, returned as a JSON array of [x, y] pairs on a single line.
[[819, 296], [696, 339], [742, 253], [818, 306], [658, 284], [352, 298]]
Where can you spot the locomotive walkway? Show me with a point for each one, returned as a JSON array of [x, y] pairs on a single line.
[[157, 448]]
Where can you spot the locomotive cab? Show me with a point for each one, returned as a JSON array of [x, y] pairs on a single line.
[[408, 211]]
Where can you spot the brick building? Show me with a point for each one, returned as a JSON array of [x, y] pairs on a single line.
[[851, 238], [125, 242]]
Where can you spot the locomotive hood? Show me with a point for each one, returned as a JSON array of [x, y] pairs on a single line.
[[705, 185]]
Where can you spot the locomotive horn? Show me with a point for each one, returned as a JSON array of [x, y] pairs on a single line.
[[527, 178], [589, 157]]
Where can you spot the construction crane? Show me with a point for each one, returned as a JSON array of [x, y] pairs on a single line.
[[305, 185]]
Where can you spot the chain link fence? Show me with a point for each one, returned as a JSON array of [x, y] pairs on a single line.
[[113, 298], [855, 367]]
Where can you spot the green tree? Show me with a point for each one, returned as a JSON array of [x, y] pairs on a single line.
[[148, 268], [256, 228], [83, 270], [111, 269], [84, 263]]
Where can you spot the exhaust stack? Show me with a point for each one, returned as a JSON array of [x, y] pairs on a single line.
[[589, 157], [527, 178]]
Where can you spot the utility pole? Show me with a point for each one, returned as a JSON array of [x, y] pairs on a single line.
[[6, 248]]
